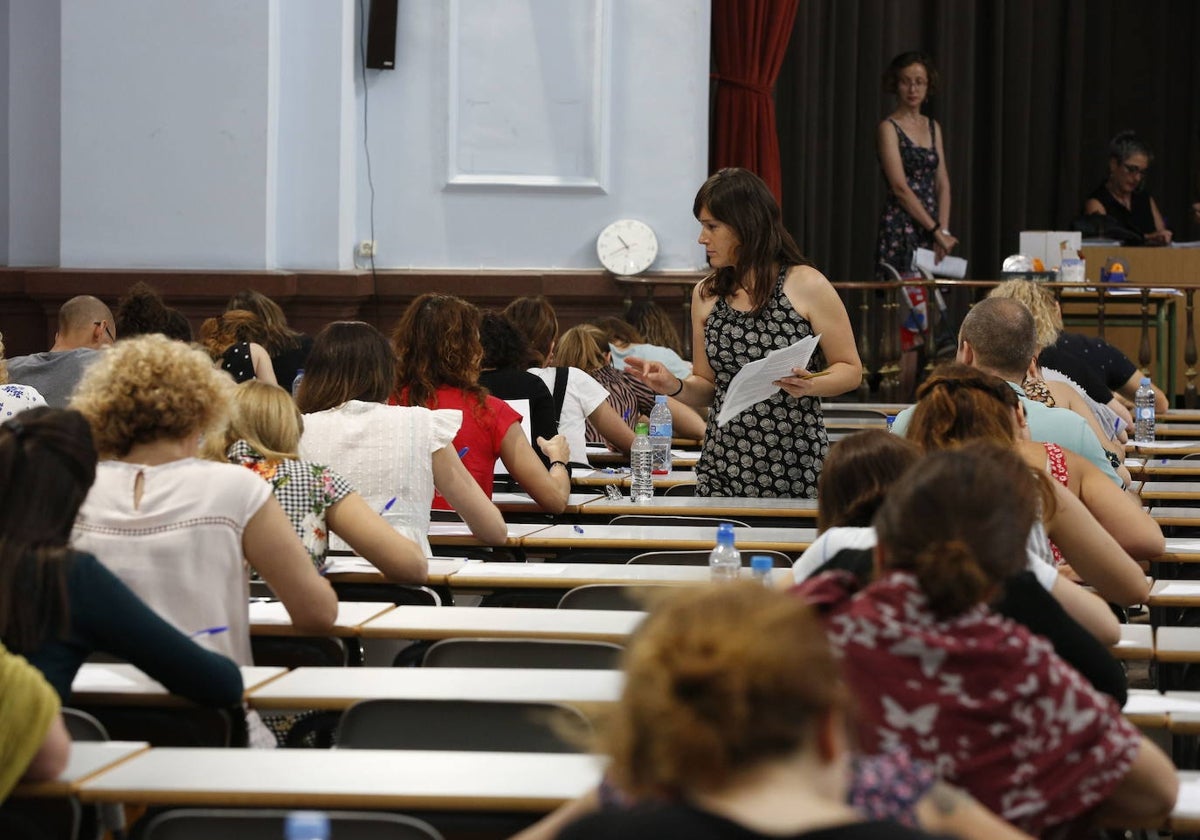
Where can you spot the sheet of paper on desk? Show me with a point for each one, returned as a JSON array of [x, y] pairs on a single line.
[[97, 678], [753, 383], [952, 267], [1182, 544], [516, 569], [1168, 444], [344, 565], [449, 529], [511, 498], [1179, 589]]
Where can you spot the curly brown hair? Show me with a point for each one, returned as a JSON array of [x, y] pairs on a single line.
[[218, 334], [436, 342], [151, 388]]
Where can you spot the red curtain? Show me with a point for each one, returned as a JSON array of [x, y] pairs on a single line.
[[749, 39]]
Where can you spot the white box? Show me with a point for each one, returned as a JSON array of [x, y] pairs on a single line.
[[1048, 245]]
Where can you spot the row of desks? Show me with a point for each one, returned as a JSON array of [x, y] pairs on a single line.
[[648, 538]]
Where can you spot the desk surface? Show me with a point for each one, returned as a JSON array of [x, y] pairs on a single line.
[[271, 619], [358, 570], [87, 758], [524, 503], [732, 506], [619, 476], [569, 575], [1184, 516], [1175, 593], [325, 688], [391, 779], [668, 537], [458, 533], [1164, 448], [410, 622], [1151, 490], [119, 683]]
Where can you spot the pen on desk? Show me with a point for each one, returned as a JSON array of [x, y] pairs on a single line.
[[208, 631], [462, 453], [578, 529]]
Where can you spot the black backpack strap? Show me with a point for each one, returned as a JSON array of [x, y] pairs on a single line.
[[561, 374]]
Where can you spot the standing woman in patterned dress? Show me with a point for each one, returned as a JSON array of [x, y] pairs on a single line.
[[762, 295], [917, 211]]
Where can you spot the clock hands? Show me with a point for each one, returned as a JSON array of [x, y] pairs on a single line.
[[624, 244]]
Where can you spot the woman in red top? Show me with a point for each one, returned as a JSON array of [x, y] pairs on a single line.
[[438, 362]]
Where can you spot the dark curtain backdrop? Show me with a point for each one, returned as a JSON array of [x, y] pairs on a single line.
[[1031, 93]]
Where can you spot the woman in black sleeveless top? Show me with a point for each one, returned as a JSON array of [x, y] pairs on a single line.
[[1122, 196]]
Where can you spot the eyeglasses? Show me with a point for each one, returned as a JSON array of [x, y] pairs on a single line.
[[1135, 170], [913, 83], [107, 331]]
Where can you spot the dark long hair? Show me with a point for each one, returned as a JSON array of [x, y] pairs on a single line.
[[740, 199], [350, 360], [48, 462]]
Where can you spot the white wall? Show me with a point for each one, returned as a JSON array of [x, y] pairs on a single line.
[[229, 134]]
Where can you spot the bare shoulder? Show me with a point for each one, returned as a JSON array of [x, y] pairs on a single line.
[[701, 304], [810, 291]]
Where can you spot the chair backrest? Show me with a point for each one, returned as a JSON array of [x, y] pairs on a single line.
[[699, 557], [522, 653], [468, 725], [83, 726], [656, 521], [186, 726], [299, 651], [237, 824], [388, 593], [608, 596]]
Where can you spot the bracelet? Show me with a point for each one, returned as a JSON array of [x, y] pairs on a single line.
[[562, 464], [678, 390], [933, 229]]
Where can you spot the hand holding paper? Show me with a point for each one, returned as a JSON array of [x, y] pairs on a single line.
[[756, 381]]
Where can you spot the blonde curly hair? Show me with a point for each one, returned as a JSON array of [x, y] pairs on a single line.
[[151, 388], [1039, 300]]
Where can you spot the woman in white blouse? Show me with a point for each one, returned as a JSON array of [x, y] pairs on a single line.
[[394, 456]]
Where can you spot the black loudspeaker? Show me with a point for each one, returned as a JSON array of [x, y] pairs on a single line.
[[381, 35]]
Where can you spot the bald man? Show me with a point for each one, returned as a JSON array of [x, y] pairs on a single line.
[[85, 326]]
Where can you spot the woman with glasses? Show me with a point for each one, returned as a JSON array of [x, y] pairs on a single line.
[[1123, 197]]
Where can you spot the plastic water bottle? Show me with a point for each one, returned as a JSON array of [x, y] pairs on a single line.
[[725, 561], [661, 432], [296, 382], [641, 466], [760, 570], [306, 825], [1143, 413]]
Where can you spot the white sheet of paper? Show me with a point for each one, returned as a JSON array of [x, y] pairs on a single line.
[[953, 267], [1168, 444], [753, 383]]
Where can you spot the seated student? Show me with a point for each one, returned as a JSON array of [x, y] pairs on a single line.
[[395, 456], [233, 342], [437, 366], [141, 311], [862, 469], [582, 399], [175, 528], [732, 725], [935, 671], [287, 347], [57, 605], [584, 347], [34, 742], [14, 398], [503, 373], [624, 340], [85, 326], [263, 435], [655, 326]]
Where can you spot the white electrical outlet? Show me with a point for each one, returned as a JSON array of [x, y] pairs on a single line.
[[366, 248]]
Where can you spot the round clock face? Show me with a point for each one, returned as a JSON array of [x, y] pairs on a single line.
[[627, 246]]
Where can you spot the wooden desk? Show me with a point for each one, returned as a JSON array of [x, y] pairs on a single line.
[[735, 507], [87, 759], [669, 537], [491, 576], [1181, 550], [1175, 593], [1175, 430], [334, 779], [1149, 709], [358, 570], [1178, 516], [1137, 642], [1170, 491], [621, 478], [1164, 468], [1164, 448], [458, 534], [271, 619], [523, 503], [326, 688], [410, 622], [1177, 644], [1185, 818], [121, 684]]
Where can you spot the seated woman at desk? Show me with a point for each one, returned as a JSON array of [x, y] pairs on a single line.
[[395, 456], [979, 695], [59, 605], [438, 358], [1123, 197], [503, 373], [263, 435], [34, 742]]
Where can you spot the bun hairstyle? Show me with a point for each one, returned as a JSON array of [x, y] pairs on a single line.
[[718, 679], [958, 403], [959, 521], [859, 470]]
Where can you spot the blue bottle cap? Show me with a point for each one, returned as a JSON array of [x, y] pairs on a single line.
[[760, 563], [306, 825]]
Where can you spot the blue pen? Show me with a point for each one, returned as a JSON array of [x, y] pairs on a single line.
[[578, 529], [209, 631], [1116, 429], [627, 413], [463, 452], [388, 506]]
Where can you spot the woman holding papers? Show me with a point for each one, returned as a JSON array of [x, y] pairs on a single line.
[[762, 295]]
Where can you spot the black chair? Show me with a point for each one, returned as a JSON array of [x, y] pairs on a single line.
[[303, 651], [609, 596], [186, 726], [388, 593], [207, 823], [467, 725], [699, 557], [522, 653], [656, 521], [83, 726], [680, 490]]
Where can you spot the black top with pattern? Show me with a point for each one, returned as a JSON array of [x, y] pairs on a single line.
[[776, 447], [899, 235]]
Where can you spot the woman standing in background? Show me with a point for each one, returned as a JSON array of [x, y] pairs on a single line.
[[917, 211]]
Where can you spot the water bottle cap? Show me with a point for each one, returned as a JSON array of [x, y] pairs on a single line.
[[725, 532], [1145, 380], [642, 429], [760, 563], [660, 399], [306, 825]]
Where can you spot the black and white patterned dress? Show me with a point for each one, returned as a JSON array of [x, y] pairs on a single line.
[[776, 447]]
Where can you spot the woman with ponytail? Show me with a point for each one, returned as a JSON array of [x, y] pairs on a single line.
[[935, 671]]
